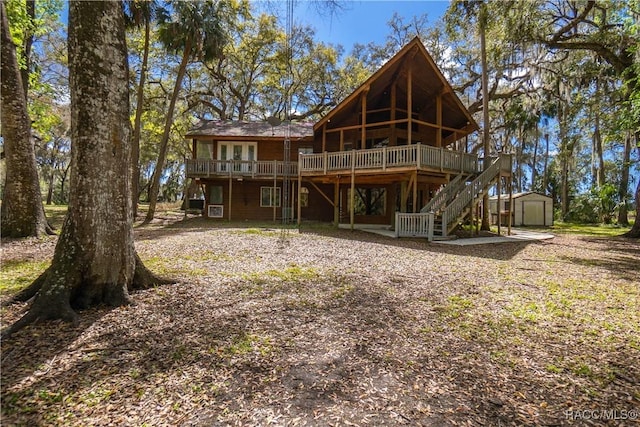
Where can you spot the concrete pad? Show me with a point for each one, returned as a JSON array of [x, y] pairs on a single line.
[[516, 236]]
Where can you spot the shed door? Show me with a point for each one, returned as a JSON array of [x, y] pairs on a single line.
[[533, 212]]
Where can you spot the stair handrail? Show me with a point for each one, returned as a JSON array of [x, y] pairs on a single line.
[[470, 192], [442, 197]]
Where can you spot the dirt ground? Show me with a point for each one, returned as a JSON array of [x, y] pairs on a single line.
[[327, 327]]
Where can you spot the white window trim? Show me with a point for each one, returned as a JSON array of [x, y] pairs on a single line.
[[271, 198]]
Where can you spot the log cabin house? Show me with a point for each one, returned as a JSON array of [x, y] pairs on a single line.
[[385, 155]]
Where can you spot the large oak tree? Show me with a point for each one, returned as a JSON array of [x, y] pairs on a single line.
[[94, 261], [22, 212]]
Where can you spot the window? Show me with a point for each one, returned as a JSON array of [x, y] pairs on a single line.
[[215, 211], [240, 153], [204, 150], [305, 150], [215, 194], [269, 197], [304, 197]]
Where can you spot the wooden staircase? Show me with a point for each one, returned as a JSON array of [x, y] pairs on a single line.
[[438, 218], [466, 199]]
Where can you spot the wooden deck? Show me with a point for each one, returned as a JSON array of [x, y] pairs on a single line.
[[368, 161], [204, 168], [388, 159]]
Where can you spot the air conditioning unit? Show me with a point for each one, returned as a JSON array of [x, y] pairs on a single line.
[[215, 211]]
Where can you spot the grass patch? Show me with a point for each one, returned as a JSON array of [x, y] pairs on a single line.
[[249, 343], [292, 274], [17, 275], [56, 214], [597, 230]]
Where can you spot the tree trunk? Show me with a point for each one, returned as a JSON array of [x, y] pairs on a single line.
[[545, 178], [535, 155], [27, 44], [635, 230], [623, 190], [597, 167], [94, 261], [154, 188], [486, 131], [50, 188], [22, 213], [137, 126]]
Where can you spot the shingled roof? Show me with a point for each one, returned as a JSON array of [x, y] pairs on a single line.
[[252, 130]]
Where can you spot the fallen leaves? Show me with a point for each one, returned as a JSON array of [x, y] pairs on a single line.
[[338, 328]]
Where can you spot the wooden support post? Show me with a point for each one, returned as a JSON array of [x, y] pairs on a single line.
[[439, 120], [274, 192], [325, 161], [299, 191], [415, 191], [403, 196], [363, 129], [393, 139], [324, 137], [336, 202], [510, 185], [409, 104], [477, 213], [230, 193], [293, 201], [353, 192], [499, 189]]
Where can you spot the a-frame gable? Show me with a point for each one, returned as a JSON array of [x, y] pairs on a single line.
[[432, 99]]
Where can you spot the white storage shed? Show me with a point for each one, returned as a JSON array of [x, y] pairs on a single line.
[[528, 209]]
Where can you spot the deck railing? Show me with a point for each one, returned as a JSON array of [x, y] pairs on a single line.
[[240, 168], [469, 193], [415, 225], [418, 155], [442, 197]]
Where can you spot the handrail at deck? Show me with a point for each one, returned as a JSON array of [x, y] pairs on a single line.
[[240, 168], [418, 155]]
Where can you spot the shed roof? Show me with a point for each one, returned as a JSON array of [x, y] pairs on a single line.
[[518, 195], [250, 130], [427, 82]]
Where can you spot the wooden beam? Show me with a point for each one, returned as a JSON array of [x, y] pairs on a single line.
[[498, 207], [230, 192], [331, 202], [336, 202], [363, 123], [439, 120], [274, 192], [324, 138], [409, 104], [368, 125], [415, 191], [299, 191], [353, 191], [393, 138]]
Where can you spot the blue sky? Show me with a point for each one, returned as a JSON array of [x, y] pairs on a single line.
[[364, 21]]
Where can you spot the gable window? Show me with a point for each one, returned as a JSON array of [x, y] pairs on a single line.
[[269, 197]]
